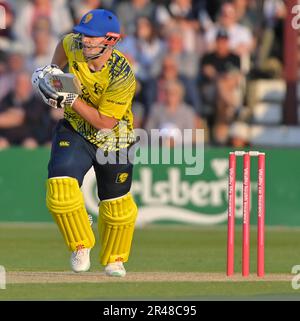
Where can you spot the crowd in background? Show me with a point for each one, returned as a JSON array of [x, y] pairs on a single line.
[[192, 61]]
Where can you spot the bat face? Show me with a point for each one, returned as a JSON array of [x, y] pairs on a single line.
[[64, 83]]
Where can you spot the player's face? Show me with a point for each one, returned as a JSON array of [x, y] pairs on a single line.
[[93, 46]]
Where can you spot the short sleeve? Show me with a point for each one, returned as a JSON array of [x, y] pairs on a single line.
[[66, 43]]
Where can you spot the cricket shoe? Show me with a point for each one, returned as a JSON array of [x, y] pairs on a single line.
[[115, 269], [80, 260]]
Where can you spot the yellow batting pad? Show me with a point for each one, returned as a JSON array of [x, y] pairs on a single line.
[[66, 204], [116, 227]]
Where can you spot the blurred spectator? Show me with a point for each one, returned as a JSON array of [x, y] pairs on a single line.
[[81, 7], [145, 51], [14, 63], [181, 15], [129, 11], [200, 10], [170, 72], [187, 61], [273, 10], [178, 9], [247, 14], [7, 35], [44, 45], [240, 37], [35, 11], [221, 87], [173, 115], [270, 51], [128, 47], [187, 64], [150, 49], [24, 120]]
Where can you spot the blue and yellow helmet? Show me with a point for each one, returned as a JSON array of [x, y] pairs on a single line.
[[98, 23]]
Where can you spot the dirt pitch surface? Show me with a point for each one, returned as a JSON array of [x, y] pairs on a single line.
[[99, 277]]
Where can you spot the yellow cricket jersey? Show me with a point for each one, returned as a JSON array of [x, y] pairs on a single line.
[[110, 91]]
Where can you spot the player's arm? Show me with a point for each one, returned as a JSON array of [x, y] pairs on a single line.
[[93, 116], [112, 106], [60, 58], [61, 99]]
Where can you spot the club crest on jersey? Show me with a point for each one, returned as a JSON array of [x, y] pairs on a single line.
[[88, 18], [121, 177]]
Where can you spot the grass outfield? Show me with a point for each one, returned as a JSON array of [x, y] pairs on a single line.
[[165, 263]]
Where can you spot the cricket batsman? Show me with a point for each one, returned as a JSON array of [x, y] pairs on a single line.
[[96, 96]]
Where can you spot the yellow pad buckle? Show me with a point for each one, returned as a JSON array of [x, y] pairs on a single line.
[[116, 227], [65, 202]]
